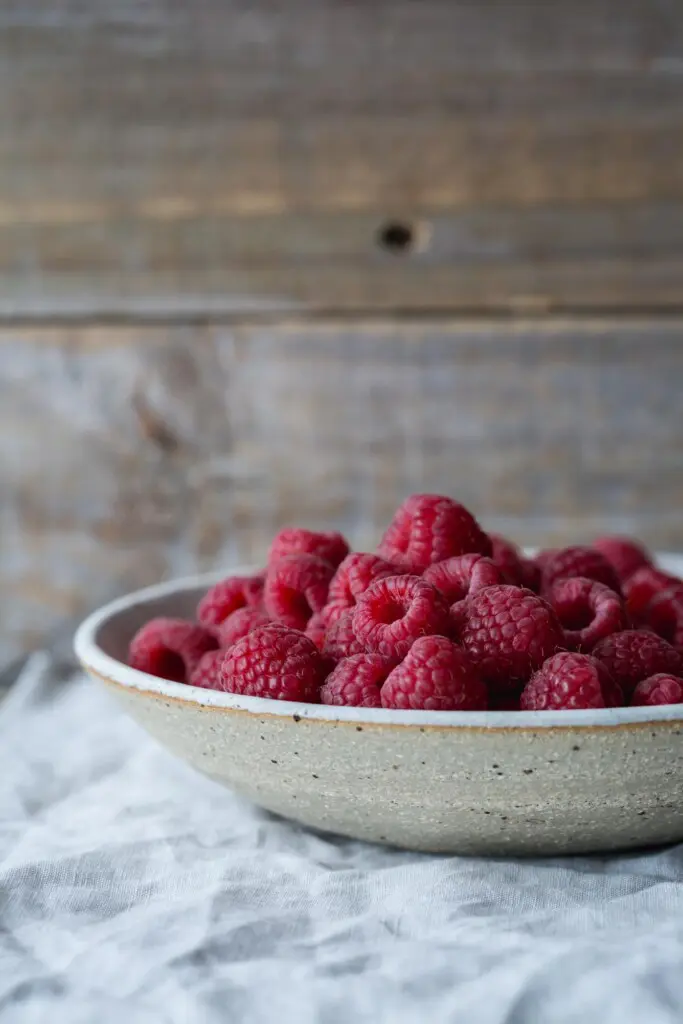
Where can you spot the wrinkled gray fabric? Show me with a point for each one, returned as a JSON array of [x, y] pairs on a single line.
[[134, 891]]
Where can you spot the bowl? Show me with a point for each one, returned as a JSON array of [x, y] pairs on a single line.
[[495, 782]]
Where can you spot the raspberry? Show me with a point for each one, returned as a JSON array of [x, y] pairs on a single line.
[[170, 648], [624, 554], [352, 578], [660, 689], [664, 614], [315, 630], [229, 596], [396, 611], [275, 662], [435, 675], [340, 639], [588, 611], [356, 681], [634, 655], [331, 547], [296, 587], [509, 632], [642, 586], [207, 671], [429, 528], [578, 561], [239, 624], [568, 682], [457, 577], [515, 569]]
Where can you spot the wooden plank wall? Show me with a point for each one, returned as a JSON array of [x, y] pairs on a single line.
[[264, 262]]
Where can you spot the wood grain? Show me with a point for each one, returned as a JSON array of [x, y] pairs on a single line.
[[233, 156], [134, 453]]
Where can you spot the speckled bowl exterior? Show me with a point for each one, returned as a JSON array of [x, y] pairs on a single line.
[[455, 782]]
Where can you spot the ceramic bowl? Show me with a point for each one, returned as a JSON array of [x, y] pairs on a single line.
[[458, 782]]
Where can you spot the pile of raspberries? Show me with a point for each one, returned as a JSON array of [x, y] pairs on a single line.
[[442, 617]]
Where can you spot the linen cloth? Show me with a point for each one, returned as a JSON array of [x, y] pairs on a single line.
[[133, 890]]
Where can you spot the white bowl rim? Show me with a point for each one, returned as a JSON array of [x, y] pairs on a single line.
[[94, 658]]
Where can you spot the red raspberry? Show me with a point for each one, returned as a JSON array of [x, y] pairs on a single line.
[[275, 662], [229, 596], [567, 682], [659, 689], [578, 561], [588, 611], [296, 587], [509, 632], [623, 553], [457, 577], [239, 624], [170, 648], [435, 675], [664, 615], [316, 629], [331, 547], [356, 681], [340, 639], [352, 578], [515, 569], [642, 586], [429, 528], [634, 655], [207, 671], [395, 611]]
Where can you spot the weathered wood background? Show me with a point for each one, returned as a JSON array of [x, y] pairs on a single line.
[[264, 262]]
